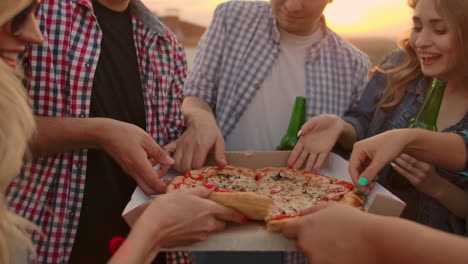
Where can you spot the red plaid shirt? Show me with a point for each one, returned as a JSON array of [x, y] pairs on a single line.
[[49, 191]]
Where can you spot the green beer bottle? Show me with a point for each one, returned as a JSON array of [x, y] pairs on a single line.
[[426, 118], [298, 118]]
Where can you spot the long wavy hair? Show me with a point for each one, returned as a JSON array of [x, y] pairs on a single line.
[[455, 13], [17, 127]]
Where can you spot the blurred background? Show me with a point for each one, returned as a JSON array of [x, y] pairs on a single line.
[[373, 26]]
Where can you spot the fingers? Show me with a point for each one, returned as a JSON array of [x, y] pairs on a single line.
[[311, 161], [220, 148], [199, 158], [295, 153], [228, 214], [171, 147], [187, 158], [150, 189], [403, 172], [157, 153], [177, 156], [316, 208], [301, 159], [200, 191], [319, 162]]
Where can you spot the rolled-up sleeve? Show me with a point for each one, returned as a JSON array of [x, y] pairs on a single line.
[[361, 115], [203, 78]]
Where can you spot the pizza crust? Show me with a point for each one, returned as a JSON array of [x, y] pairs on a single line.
[[354, 198], [172, 185], [254, 206]]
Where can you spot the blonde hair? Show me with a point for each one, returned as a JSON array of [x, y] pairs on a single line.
[[455, 13], [17, 127]]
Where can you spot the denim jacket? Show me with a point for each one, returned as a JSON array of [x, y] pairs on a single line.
[[368, 121]]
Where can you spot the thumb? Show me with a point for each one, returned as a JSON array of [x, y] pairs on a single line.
[[307, 127], [316, 208], [171, 147], [220, 154], [158, 154], [201, 191], [369, 173], [290, 230]]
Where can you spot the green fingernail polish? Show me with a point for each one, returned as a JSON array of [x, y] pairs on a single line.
[[363, 181]]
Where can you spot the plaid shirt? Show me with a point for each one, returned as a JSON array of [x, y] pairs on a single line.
[[239, 49], [49, 190]]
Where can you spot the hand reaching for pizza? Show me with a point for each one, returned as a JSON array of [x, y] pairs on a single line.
[[421, 174], [130, 146], [370, 155], [318, 136], [332, 233], [191, 148]]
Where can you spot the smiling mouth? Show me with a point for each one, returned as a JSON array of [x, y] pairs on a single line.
[[429, 58]]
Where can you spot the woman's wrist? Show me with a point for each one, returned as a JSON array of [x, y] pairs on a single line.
[[141, 244]]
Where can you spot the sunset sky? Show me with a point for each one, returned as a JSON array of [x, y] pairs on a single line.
[[359, 17]]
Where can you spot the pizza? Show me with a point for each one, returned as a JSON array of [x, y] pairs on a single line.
[[275, 194]]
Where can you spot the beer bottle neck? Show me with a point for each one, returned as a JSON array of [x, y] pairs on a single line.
[[429, 111]]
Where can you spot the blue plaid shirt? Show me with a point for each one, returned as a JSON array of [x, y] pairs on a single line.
[[239, 49], [368, 121]]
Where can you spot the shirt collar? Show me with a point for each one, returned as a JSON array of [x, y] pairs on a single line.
[[139, 11]]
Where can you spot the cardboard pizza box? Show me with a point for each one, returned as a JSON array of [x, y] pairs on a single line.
[[253, 235]]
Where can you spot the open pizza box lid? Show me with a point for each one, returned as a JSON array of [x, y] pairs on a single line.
[[253, 235]]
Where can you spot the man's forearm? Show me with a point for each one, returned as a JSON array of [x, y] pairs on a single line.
[[196, 109], [62, 134], [396, 240]]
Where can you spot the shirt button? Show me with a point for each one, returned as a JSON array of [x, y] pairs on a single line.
[[88, 65], [82, 114], [256, 85], [79, 165], [71, 213], [275, 54]]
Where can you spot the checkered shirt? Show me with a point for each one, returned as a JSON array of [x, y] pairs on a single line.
[[49, 190], [239, 49]]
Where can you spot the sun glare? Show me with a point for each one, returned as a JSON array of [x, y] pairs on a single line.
[[369, 17], [359, 17]]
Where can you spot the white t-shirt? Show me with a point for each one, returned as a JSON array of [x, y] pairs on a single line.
[[266, 118]]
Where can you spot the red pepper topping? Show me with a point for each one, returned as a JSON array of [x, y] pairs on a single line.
[[258, 176], [276, 191]]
